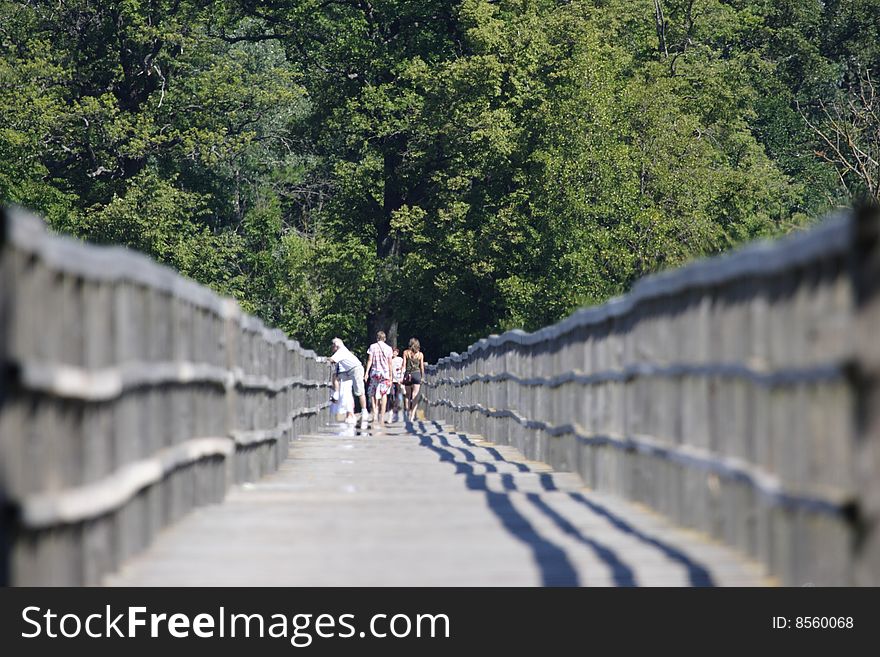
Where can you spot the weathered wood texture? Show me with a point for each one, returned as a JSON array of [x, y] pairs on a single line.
[[423, 505], [736, 395], [128, 396]]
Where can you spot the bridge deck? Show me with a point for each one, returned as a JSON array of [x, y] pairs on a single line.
[[426, 505]]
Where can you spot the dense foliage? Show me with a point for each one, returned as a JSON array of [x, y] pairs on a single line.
[[434, 168]]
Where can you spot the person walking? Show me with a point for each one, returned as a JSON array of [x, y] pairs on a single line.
[[396, 382], [414, 371], [349, 368], [379, 368], [342, 402]]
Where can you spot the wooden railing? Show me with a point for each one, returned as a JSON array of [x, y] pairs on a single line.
[[128, 395], [737, 395]]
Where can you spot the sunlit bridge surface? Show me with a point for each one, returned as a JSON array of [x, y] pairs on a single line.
[[424, 505]]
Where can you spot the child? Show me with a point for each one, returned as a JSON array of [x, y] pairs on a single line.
[[397, 382]]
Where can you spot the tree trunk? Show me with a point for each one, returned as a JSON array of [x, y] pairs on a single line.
[[383, 320], [387, 248], [660, 23]]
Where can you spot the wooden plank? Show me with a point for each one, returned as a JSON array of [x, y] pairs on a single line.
[[428, 506]]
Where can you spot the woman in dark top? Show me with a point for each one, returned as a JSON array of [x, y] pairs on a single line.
[[413, 371]]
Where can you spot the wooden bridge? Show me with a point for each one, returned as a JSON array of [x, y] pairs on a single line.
[[425, 505], [716, 426]]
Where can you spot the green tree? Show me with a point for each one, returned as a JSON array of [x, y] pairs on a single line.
[[131, 122], [430, 168]]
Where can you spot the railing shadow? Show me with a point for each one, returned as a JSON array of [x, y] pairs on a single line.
[[5, 375], [622, 574], [555, 567], [697, 575], [553, 563]]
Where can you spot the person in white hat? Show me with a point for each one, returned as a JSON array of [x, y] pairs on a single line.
[[349, 368]]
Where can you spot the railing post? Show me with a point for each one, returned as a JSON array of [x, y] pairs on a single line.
[[114, 416], [6, 301], [866, 274]]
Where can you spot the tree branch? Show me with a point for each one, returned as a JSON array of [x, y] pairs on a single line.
[[660, 24]]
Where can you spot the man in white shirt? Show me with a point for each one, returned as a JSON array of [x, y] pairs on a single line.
[[379, 368], [349, 368]]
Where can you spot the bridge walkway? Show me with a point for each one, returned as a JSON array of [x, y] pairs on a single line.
[[425, 505]]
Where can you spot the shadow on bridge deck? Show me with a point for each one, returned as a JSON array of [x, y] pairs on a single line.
[[547, 555], [423, 504]]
